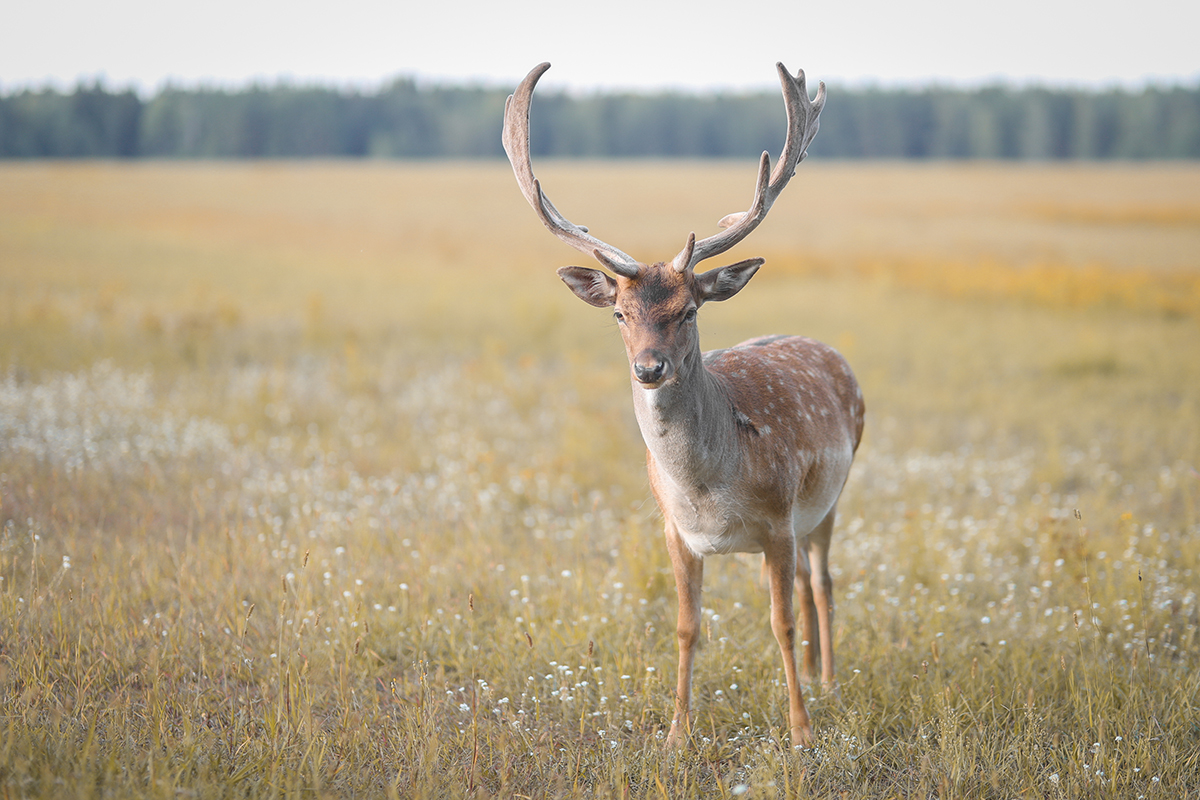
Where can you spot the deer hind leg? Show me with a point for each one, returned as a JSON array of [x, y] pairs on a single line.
[[689, 578], [809, 627], [820, 589], [781, 574]]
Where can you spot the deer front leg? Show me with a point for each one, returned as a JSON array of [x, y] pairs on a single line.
[[689, 578], [781, 573]]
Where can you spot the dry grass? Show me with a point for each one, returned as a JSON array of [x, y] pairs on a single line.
[[315, 481]]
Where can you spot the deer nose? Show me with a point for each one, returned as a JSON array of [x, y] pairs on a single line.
[[650, 367]]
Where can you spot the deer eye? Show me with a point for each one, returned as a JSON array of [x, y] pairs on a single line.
[[618, 316], [690, 316]]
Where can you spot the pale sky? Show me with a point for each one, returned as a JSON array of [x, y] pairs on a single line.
[[641, 44]]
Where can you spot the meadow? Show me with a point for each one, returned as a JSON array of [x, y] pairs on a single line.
[[315, 481]]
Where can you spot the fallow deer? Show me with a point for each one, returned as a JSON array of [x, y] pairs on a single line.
[[748, 448]]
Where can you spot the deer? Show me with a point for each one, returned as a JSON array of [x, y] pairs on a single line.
[[748, 448]]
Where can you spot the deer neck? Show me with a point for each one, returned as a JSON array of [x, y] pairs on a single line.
[[688, 426]]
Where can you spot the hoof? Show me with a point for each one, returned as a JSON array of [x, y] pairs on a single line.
[[802, 737]]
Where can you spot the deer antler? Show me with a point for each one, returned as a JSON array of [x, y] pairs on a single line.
[[516, 144], [802, 127]]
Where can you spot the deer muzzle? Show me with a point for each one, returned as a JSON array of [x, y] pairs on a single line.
[[652, 368]]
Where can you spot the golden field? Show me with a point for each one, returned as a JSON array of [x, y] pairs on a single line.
[[314, 481]]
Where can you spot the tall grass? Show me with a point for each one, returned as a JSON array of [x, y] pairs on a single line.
[[314, 482]]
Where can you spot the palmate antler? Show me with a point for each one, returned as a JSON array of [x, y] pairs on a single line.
[[803, 123], [516, 144]]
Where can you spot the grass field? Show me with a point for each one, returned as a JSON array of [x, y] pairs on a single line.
[[315, 481]]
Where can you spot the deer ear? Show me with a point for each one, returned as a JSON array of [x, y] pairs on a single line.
[[723, 283], [590, 285]]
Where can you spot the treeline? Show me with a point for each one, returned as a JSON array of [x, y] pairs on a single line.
[[407, 120]]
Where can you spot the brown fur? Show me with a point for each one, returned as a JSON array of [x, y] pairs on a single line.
[[747, 451]]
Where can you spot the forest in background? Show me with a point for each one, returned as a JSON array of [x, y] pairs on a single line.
[[406, 119]]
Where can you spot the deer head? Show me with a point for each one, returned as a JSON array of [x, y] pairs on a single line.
[[656, 309], [655, 304]]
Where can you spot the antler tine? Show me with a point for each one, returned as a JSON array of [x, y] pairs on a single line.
[[516, 145], [803, 122]]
